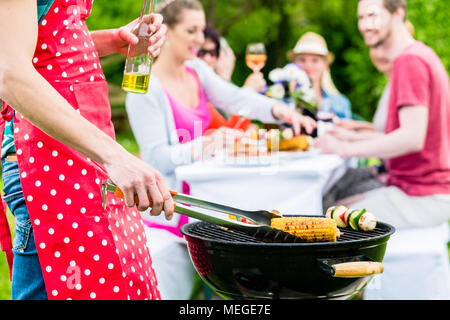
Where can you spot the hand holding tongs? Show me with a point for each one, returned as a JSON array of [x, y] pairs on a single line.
[[258, 222]]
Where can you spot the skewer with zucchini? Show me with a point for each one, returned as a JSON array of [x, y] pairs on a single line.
[[353, 218]]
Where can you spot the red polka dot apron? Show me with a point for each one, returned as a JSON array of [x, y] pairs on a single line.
[[85, 251]]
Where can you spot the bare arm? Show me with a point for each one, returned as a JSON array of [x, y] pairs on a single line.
[[352, 135], [23, 88], [408, 138], [353, 124], [117, 40]]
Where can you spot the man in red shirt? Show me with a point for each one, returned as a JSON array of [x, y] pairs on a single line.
[[416, 142]]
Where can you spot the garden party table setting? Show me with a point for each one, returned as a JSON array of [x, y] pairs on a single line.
[[290, 178]]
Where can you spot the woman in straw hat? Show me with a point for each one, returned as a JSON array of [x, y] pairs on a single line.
[[312, 55]]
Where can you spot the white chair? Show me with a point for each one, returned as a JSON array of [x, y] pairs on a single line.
[[416, 266]]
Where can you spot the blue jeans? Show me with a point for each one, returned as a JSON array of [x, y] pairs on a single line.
[[27, 279]]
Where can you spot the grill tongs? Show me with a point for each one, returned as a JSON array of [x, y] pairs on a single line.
[[257, 225]]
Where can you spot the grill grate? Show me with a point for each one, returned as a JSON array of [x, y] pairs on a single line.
[[212, 232]]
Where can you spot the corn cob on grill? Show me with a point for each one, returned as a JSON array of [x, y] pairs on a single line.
[[309, 229]]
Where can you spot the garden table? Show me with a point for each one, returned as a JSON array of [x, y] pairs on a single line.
[[291, 184]]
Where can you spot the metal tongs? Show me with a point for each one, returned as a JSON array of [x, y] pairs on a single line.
[[257, 222]]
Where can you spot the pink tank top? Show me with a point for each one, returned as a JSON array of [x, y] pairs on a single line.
[[191, 123]]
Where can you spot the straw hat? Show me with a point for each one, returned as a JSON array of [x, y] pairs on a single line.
[[312, 43]]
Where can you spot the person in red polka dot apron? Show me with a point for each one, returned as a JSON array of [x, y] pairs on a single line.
[[85, 251]]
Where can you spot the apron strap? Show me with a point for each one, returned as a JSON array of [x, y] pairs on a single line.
[[5, 237], [7, 111]]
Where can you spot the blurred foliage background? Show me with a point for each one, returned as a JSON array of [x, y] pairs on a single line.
[[279, 24]]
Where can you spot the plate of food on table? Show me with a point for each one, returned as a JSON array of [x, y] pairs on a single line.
[[290, 146], [267, 147]]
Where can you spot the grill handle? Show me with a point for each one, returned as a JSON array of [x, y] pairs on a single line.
[[357, 269], [350, 267]]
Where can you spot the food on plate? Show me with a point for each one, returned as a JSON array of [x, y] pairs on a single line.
[[309, 229], [253, 144], [287, 133], [353, 218], [286, 140], [247, 149], [264, 143], [296, 143]]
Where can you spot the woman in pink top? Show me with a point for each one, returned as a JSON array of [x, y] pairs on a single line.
[[188, 89], [186, 21], [185, 117]]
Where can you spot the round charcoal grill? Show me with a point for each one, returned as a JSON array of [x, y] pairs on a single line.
[[239, 266]]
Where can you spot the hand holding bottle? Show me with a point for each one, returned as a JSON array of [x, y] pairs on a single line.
[[151, 26]]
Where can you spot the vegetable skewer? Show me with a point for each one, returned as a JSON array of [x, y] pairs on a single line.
[[353, 218]]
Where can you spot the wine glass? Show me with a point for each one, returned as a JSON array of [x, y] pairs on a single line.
[[324, 117], [256, 56]]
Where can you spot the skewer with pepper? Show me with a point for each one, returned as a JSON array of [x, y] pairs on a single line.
[[357, 219]]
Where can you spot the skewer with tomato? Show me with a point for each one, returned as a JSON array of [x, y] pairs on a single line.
[[357, 219]]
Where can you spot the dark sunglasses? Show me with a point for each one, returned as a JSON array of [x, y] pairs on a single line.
[[202, 52]]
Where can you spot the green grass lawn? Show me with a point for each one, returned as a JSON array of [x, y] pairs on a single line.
[[5, 284], [127, 140]]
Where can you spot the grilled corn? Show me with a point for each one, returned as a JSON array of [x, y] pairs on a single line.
[[295, 143], [309, 229]]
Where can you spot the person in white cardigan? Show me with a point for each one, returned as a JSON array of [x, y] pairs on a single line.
[[180, 80], [150, 115]]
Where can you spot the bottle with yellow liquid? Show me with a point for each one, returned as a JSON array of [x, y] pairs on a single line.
[[136, 82], [139, 62]]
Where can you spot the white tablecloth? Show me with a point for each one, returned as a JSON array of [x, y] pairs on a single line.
[[293, 186]]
